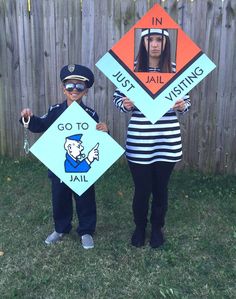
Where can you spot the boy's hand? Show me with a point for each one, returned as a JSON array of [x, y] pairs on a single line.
[[102, 127], [26, 113]]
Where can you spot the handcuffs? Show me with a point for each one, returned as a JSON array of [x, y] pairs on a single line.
[[26, 142]]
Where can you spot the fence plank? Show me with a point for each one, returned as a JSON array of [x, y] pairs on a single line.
[[12, 76], [225, 96], [49, 42], [37, 99], [87, 55], [3, 80], [100, 42], [75, 31], [114, 117], [62, 41]]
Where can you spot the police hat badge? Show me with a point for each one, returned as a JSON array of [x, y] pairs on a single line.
[[71, 68]]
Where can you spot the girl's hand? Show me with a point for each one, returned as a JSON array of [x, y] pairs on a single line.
[[129, 105], [179, 105], [26, 113], [102, 127]]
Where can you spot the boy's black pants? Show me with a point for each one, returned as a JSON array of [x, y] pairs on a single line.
[[63, 208], [150, 179]]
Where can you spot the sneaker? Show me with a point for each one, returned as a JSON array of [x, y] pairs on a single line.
[[138, 237], [157, 238], [87, 241], [53, 238]]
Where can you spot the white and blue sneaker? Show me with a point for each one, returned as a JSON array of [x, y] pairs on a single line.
[[87, 241], [53, 238]]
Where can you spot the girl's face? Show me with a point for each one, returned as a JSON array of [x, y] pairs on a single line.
[[156, 45]]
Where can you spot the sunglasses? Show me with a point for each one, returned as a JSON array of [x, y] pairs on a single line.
[[78, 86]]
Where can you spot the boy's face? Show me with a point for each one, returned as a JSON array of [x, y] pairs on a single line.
[[74, 90]]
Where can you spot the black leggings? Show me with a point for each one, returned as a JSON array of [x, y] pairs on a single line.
[[150, 179]]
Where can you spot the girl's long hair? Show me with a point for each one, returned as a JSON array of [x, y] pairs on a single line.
[[142, 58]]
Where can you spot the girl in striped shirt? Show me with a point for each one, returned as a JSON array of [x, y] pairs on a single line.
[[152, 149]]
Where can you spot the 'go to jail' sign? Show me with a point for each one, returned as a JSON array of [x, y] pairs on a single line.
[[154, 93], [75, 151]]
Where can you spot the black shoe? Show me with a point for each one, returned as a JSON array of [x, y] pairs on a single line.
[[138, 237], [157, 238]]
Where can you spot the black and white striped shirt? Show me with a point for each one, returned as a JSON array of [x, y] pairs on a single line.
[[148, 143]]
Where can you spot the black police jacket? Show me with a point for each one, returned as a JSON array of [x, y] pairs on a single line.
[[41, 124]]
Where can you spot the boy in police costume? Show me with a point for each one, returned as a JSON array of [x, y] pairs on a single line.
[[76, 80]]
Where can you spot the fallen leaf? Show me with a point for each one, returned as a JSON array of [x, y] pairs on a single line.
[[120, 193]]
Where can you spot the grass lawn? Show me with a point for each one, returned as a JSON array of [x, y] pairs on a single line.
[[197, 260]]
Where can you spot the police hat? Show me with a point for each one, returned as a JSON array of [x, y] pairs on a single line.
[[78, 72], [75, 137]]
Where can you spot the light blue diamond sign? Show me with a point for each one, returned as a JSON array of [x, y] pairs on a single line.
[[75, 151]]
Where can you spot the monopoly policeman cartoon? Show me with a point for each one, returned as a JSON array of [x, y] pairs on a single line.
[[76, 80], [75, 159]]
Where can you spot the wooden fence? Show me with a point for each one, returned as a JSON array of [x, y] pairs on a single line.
[[38, 37]]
